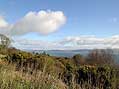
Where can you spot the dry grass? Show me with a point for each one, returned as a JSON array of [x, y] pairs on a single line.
[[11, 79]]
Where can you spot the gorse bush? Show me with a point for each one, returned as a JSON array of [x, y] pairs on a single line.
[[23, 70]]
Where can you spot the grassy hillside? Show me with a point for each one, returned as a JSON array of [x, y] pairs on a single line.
[[23, 70]]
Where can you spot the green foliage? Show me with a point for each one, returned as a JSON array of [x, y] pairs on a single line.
[[78, 60], [25, 71], [4, 41]]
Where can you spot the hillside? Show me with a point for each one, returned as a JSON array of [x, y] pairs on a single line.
[[24, 70]]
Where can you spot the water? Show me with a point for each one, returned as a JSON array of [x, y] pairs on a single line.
[[64, 53], [71, 53]]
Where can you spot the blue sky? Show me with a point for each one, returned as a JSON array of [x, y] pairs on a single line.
[[83, 17]]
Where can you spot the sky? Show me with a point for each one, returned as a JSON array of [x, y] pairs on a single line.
[[60, 24]]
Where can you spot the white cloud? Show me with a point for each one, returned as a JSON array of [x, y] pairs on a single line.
[[71, 43], [91, 42], [42, 22], [3, 23], [5, 28], [34, 44], [46, 22]]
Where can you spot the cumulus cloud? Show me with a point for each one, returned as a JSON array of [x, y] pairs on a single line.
[[3, 23], [71, 43], [4, 26], [42, 22]]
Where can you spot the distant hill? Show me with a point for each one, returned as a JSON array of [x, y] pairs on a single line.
[[63, 53], [70, 53]]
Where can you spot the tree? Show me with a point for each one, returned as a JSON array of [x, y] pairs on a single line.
[[101, 56], [4, 41], [78, 59]]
